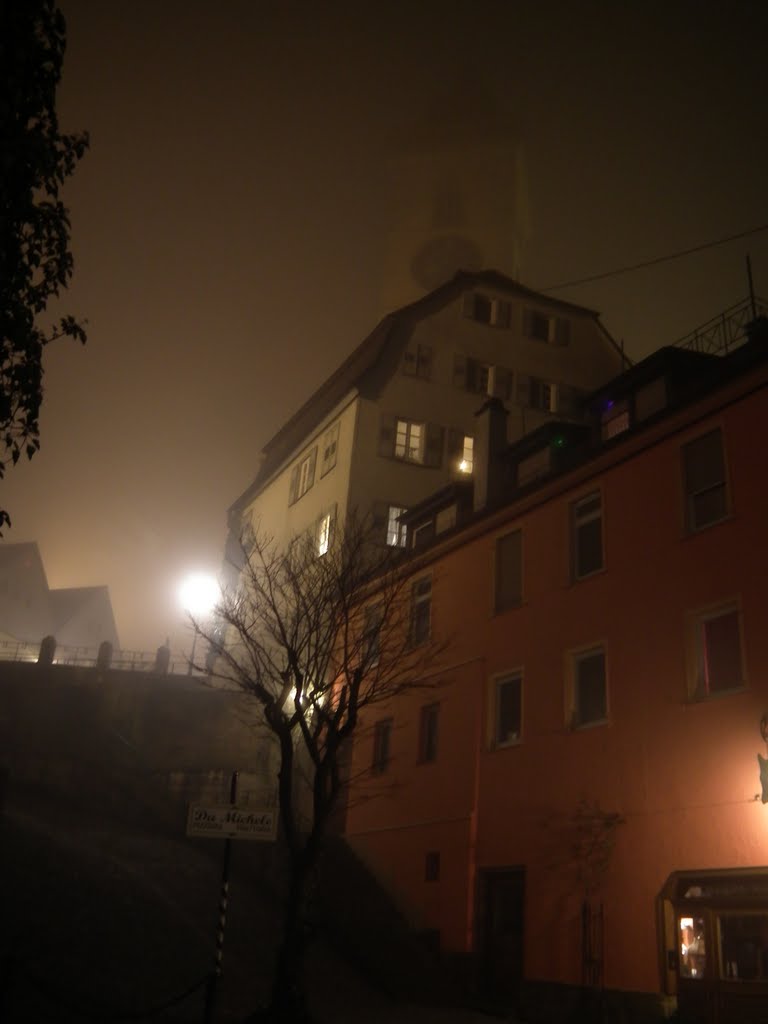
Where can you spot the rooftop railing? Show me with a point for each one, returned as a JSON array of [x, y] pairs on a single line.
[[727, 331]]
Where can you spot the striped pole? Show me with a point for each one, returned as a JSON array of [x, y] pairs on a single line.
[[213, 980]]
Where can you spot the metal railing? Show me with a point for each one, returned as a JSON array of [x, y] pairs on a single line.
[[88, 657], [724, 332]]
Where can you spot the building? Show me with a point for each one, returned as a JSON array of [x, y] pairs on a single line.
[[396, 420], [31, 610], [578, 806]]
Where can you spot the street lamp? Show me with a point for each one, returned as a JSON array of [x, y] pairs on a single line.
[[198, 596]]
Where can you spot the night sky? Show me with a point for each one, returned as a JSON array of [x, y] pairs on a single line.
[[229, 227]]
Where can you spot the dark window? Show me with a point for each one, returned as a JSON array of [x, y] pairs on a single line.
[[482, 309], [329, 450], [509, 710], [432, 866], [382, 737], [372, 636], [509, 571], [417, 362], [538, 326], [428, 720], [423, 534], [704, 476], [719, 653], [421, 607], [587, 536], [589, 691]]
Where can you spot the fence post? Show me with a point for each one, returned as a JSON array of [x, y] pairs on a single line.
[[47, 650]]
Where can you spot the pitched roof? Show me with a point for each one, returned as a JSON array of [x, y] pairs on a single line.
[[351, 373]]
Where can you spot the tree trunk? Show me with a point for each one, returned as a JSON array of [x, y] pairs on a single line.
[[288, 999]]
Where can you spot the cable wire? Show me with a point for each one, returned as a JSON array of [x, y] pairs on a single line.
[[655, 261]]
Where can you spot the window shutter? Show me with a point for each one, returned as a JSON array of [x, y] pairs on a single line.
[[387, 435], [312, 464], [433, 448], [523, 389], [294, 484], [562, 331], [459, 371]]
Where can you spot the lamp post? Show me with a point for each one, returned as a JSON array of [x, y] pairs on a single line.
[[198, 596]]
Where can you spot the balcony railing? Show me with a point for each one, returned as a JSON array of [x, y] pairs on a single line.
[[725, 332], [88, 657]]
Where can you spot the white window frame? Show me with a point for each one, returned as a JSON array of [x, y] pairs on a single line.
[[329, 449], [324, 533], [305, 481], [466, 463], [701, 688], [409, 440]]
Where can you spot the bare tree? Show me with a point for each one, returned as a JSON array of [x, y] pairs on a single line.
[[315, 639]]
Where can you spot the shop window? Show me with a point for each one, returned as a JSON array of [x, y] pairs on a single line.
[[744, 946], [693, 949], [706, 498]]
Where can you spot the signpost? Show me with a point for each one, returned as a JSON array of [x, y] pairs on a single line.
[[228, 822]]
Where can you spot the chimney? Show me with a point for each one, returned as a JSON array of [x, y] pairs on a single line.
[[489, 445]]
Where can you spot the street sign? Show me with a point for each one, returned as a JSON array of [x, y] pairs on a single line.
[[229, 821]]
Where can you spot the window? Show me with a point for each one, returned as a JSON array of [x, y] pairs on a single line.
[[485, 310], [719, 666], [706, 500], [614, 419], [417, 362], [428, 720], [382, 740], [302, 476], [508, 710], [325, 531], [554, 330], [409, 441], [421, 610], [509, 571], [372, 636], [589, 698], [693, 950], [432, 866], [543, 395], [423, 534], [479, 377], [587, 536], [744, 945], [534, 466], [329, 449], [396, 531], [467, 455], [445, 519]]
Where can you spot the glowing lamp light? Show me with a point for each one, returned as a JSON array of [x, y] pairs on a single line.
[[464, 466], [199, 594]]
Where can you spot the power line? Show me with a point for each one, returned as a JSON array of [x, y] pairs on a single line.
[[658, 259]]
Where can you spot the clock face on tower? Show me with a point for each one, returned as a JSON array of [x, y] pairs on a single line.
[[439, 259]]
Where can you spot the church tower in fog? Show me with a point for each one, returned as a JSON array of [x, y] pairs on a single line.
[[458, 195]]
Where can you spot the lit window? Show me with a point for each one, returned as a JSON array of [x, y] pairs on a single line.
[[428, 720], [509, 571], [508, 710], [421, 610], [382, 737], [587, 536], [719, 666], [324, 530], [467, 455], [589, 697], [396, 531], [693, 949], [329, 450], [704, 478], [409, 441]]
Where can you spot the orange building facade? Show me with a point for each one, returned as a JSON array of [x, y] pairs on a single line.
[[577, 803]]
